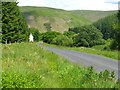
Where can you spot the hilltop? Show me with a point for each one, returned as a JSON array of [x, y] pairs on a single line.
[[46, 19], [93, 16]]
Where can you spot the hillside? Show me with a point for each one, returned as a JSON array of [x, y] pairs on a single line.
[[93, 15], [45, 19], [58, 20]]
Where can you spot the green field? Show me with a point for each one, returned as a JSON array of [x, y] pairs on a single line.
[[26, 65]]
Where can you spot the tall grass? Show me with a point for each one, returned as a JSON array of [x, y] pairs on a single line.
[[26, 65]]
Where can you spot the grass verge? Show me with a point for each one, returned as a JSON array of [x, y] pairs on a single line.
[[26, 65]]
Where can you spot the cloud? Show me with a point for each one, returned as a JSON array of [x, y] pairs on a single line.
[[112, 1], [73, 4]]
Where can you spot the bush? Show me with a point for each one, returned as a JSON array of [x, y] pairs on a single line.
[[70, 34], [106, 48], [49, 36], [83, 42], [97, 42], [63, 41], [114, 45]]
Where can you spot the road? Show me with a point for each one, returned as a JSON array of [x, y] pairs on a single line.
[[98, 62]]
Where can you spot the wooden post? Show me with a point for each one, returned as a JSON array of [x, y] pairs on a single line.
[[6, 42]]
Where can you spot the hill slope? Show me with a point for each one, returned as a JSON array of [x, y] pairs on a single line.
[[93, 15], [59, 20], [45, 19]]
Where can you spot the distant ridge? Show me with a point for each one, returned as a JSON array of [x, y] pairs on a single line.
[[94, 15]]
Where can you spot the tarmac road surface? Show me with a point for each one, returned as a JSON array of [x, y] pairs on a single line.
[[98, 62]]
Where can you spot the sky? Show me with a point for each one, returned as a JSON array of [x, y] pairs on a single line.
[[103, 5]]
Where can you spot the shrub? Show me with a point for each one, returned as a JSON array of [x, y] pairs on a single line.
[[63, 41], [49, 36], [70, 34]]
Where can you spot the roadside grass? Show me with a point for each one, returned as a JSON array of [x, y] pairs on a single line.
[[98, 50], [26, 65]]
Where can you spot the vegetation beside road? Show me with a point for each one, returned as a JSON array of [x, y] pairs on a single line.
[[26, 65], [97, 50]]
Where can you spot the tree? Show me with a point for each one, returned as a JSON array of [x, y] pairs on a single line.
[[14, 26], [115, 45], [87, 36], [118, 36], [105, 25]]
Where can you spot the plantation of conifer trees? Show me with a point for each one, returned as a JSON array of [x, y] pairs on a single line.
[[14, 26]]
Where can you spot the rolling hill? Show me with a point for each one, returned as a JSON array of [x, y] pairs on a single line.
[[58, 20], [45, 19], [93, 16]]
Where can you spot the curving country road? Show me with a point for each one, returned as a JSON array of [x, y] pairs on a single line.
[[98, 62]]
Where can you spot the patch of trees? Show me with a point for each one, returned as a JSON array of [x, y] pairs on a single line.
[[110, 28], [87, 36], [106, 26], [14, 26], [118, 35], [115, 45]]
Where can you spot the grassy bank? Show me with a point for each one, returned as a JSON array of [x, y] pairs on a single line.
[[95, 50], [26, 65]]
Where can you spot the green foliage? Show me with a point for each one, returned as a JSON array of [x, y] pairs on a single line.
[[106, 26], [49, 36], [117, 37], [63, 40], [115, 45], [36, 34], [109, 26], [87, 36], [14, 26], [70, 34], [38, 68]]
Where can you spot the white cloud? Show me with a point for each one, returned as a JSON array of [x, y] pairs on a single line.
[[72, 4]]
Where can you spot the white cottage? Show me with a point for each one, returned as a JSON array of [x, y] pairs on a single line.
[[31, 38]]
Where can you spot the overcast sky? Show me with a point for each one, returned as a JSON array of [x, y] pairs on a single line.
[[73, 4]]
